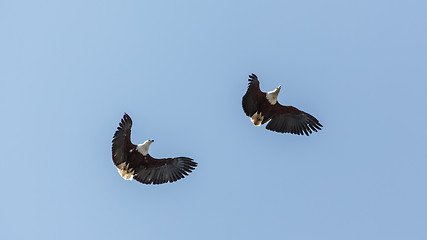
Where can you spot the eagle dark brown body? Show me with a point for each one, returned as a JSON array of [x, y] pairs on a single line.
[[262, 107], [133, 161]]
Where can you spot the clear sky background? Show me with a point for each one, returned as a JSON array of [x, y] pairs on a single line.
[[70, 69]]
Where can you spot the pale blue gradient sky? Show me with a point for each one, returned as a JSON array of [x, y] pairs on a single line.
[[69, 69]]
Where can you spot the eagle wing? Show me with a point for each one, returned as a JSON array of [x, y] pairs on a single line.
[[253, 93], [157, 171], [288, 119], [121, 141]]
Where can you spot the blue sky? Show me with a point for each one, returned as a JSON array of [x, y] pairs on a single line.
[[70, 69]]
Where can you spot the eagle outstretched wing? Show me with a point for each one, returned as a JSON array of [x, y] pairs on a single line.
[[158, 171], [121, 141], [249, 100], [288, 119]]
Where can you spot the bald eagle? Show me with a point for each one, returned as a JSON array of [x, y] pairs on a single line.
[[134, 162], [262, 107]]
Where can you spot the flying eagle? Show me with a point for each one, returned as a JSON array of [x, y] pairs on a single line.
[[134, 162], [262, 107]]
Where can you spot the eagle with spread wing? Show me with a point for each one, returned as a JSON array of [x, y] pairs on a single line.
[[134, 162], [262, 107]]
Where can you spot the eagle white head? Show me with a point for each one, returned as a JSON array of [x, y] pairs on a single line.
[[143, 148], [272, 96]]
